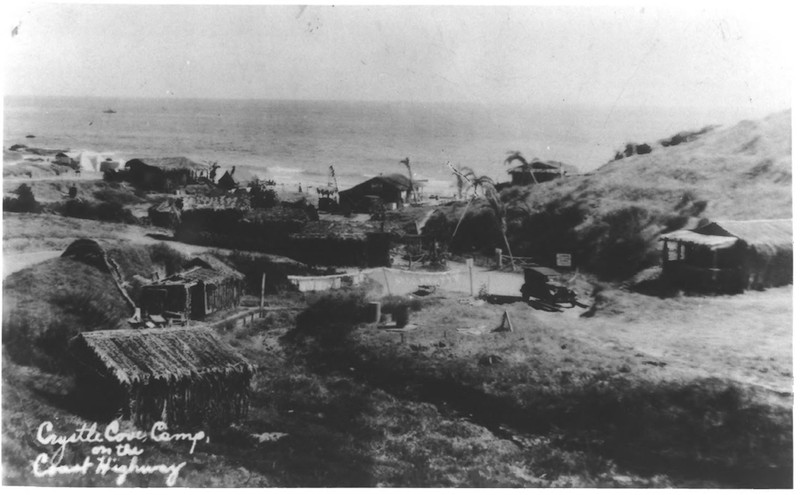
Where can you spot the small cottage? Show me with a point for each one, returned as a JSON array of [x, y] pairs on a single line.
[[383, 189], [729, 256], [206, 285], [182, 376], [537, 171]]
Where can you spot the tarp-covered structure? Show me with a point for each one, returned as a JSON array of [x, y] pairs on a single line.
[[183, 376], [730, 255]]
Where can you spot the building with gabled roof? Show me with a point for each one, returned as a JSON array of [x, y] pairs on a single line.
[[538, 171], [730, 255], [381, 189]]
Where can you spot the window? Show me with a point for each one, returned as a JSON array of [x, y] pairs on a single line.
[[672, 250]]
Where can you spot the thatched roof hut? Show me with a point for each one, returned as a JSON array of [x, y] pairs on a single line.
[[185, 376], [164, 174], [730, 255]]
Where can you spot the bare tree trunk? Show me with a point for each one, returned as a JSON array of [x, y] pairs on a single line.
[[462, 218], [503, 229]]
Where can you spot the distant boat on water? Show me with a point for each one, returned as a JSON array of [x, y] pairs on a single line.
[[109, 110]]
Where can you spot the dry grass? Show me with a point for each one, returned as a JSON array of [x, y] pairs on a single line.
[[693, 402], [26, 232], [744, 337], [52, 191], [49, 303], [339, 432], [359, 417]]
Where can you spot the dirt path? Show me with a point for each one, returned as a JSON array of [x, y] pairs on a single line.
[[745, 337]]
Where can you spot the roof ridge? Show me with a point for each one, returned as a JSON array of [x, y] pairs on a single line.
[[139, 331]]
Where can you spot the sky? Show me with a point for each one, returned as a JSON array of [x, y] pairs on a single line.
[[706, 56]]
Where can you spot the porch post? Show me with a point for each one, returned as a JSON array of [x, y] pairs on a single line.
[[714, 265]]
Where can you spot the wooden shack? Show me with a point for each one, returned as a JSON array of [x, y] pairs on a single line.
[[183, 376], [206, 285], [729, 256], [536, 172], [383, 189]]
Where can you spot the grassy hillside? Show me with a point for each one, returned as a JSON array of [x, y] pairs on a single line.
[[50, 302], [610, 220], [741, 172]]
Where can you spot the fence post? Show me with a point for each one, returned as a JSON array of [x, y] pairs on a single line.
[[263, 282], [471, 282], [499, 253]]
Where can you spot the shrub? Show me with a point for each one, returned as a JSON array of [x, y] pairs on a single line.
[[633, 149], [332, 315], [24, 202], [104, 210], [400, 308], [262, 196], [615, 248], [162, 253]]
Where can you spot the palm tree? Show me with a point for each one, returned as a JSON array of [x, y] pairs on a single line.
[[486, 185]]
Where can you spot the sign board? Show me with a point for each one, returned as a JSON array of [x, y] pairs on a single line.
[[563, 259]]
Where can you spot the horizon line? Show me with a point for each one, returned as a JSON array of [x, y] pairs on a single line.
[[390, 101]]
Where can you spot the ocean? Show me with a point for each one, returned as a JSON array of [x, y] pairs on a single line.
[[295, 142]]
